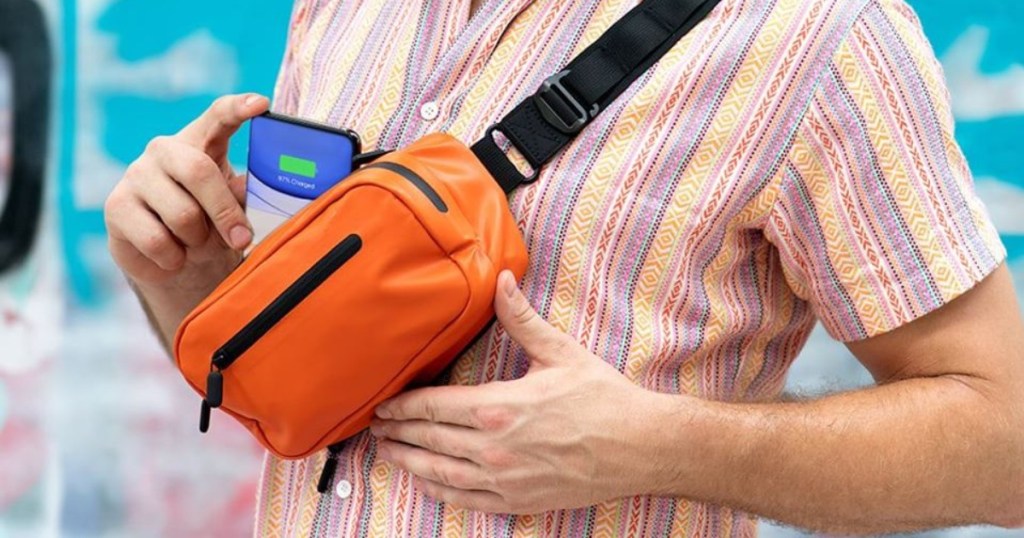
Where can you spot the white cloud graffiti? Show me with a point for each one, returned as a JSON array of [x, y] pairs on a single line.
[[978, 96], [1005, 203]]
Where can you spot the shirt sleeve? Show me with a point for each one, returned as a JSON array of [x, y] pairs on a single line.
[[876, 220]]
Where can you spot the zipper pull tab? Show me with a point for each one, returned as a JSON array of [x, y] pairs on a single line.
[[214, 396], [204, 417], [215, 388], [330, 468]]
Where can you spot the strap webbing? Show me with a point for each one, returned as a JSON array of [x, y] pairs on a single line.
[[545, 123]]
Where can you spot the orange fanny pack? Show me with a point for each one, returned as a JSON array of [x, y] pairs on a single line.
[[378, 283], [388, 276]]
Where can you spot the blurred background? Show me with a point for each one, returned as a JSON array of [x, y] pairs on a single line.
[[97, 432]]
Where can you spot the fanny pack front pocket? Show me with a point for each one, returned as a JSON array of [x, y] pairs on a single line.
[[315, 335], [269, 317]]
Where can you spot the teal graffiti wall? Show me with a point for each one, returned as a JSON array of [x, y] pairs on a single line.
[[97, 433]]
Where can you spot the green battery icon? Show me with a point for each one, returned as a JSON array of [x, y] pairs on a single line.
[[297, 166]]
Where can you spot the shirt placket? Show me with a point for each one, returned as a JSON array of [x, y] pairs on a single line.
[[438, 92], [348, 491], [427, 112]]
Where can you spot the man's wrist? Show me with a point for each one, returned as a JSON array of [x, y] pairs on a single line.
[[165, 307], [668, 435]]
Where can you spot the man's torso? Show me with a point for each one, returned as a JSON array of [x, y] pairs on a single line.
[[644, 234]]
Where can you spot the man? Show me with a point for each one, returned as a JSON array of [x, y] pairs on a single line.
[[789, 160]]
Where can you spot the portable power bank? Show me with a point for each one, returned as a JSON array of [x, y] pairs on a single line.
[[291, 163]]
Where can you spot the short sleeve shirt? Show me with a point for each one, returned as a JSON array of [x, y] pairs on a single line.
[[788, 161]]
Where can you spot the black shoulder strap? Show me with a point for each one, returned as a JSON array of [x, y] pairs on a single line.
[[544, 124]]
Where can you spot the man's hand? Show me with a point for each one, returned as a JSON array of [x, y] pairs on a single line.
[[563, 436], [176, 220], [937, 444]]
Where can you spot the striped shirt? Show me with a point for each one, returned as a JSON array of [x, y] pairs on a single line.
[[788, 161]]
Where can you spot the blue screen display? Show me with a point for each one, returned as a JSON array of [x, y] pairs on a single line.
[[297, 160]]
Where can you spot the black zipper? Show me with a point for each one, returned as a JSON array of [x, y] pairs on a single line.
[[416, 180], [224, 357]]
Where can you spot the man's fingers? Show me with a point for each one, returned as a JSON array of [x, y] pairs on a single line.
[[542, 342], [458, 405], [148, 235], [446, 439], [477, 501], [238, 185], [452, 472], [214, 127], [178, 210], [197, 173]]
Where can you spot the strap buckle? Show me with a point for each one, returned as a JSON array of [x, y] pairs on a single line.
[[554, 96]]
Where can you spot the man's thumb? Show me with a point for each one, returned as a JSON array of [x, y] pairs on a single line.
[[224, 117], [544, 344]]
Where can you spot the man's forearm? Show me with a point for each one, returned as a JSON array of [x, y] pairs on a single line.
[[165, 309], [917, 454]]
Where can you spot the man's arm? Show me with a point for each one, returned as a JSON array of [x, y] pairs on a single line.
[[939, 443], [176, 219], [171, 309]]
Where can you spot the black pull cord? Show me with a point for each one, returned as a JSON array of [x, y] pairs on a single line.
[[330, 467]]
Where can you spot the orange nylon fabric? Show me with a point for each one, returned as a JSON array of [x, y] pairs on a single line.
[[419, 289]]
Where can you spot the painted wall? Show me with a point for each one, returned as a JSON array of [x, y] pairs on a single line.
[[97, 434]]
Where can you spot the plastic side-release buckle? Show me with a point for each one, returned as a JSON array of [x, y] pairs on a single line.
[[560, 108]]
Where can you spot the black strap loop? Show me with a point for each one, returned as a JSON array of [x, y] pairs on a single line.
[[497, 162], [544, 124]]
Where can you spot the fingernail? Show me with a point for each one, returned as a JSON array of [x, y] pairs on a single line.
[[383, 412], [252, 99], [240, 236], [383, 452], [508, 283], [377, 430]]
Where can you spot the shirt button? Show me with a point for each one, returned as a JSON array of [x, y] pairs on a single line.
[[429, 111], [343, 490]]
